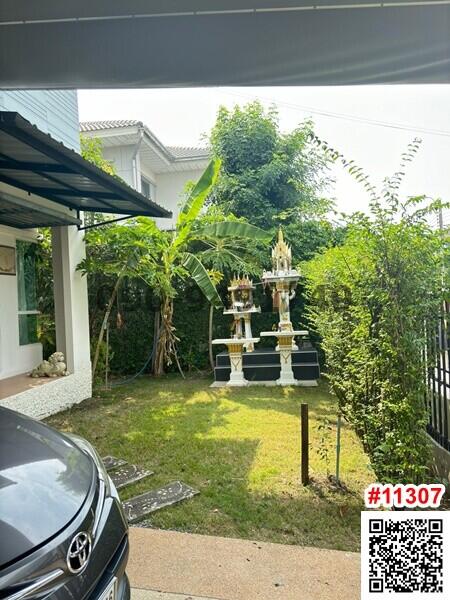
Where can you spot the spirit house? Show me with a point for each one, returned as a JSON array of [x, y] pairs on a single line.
[[285, 364], [242, 307], [283, 280]]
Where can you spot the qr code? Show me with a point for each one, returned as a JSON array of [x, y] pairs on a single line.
[[405, 552]]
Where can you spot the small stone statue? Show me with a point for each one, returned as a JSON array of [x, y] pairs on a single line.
[[53, 367]]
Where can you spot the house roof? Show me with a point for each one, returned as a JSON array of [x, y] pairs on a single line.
[[173, 153], [193, 152], [33, 161], [100, 125]]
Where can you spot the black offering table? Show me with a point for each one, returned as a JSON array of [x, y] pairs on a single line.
[[263, 365]]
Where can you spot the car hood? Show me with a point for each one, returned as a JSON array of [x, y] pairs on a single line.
[[44, 481]]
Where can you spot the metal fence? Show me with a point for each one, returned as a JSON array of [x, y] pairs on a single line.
[[437, 396]]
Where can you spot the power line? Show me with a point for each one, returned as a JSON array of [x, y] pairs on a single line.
[[346, 117]]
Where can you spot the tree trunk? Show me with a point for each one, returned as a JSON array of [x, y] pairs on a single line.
[[165, 346], [104, 323], [156, 322], [210, 336]]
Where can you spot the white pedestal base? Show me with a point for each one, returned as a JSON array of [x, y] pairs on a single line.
[[237, 378], [286, 372], [286, 343], [237, 382], [287, 381], [235, 346]]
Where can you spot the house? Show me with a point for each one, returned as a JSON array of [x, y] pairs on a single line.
[[159, 172], [44, 182]]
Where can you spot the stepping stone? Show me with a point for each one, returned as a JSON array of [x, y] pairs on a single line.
[[111, 462], [149, 502], [128, 474]]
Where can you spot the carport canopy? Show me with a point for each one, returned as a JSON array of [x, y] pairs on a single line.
[[183, 43], [34, 162]]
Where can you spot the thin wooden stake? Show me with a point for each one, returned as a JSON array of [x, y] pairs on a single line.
[[107, 356], [210, 337], [304, 444], [338, 445]]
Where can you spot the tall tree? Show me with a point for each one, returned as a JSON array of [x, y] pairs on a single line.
[[268, 177], [92, 150]]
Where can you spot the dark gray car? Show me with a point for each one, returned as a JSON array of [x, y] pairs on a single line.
[[63, 534]]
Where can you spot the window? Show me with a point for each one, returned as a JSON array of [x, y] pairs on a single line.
[[148, 188], [27, 294]]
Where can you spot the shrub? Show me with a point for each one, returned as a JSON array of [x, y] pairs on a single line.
[[370, 301]]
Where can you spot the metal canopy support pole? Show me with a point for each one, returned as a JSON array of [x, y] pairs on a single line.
[[94, 225]]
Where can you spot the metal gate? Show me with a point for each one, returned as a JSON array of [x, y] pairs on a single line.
[[437, 396]]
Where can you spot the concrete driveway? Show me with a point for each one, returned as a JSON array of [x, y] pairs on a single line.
[[167, 565], [137, 594]]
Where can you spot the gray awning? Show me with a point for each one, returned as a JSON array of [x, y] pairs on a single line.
[[156, 43], [33, 161], [24, 214]]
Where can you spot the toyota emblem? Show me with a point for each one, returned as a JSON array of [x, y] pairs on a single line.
[[79, 552]]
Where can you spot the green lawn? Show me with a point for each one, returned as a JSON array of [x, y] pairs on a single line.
[[240, 448]]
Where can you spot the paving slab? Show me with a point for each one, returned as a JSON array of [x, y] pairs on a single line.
[[128, 474], [111, 462], [136, 508], [154, 595], [231, 569]]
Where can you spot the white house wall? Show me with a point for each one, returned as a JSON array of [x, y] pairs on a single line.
[[52, 111], [148, 174], [170, 193], [71, 298], [72, 328], [122, 159], [14, 359], [169, 186]]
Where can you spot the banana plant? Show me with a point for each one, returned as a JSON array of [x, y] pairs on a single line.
[[176, 259], [163, 257]]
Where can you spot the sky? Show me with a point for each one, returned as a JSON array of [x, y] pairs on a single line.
[[343, 116]]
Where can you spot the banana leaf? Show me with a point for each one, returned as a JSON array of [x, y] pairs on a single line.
[[200, 192], [200, 275]]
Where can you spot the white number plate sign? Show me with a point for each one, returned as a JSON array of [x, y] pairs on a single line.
[[110, 592]]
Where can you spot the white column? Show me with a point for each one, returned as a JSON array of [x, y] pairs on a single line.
[[248, 333], [238, 326], [237, 374], [286, 372], [71, 298]]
